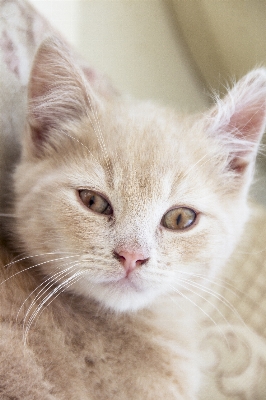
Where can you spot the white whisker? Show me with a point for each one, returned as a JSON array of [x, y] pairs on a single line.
[[34, 266], [47, 284], [99, 135], [60, 288], [224, 283], [15, 261], [219, 297], [199, 162], [82, 144], [201, 309]]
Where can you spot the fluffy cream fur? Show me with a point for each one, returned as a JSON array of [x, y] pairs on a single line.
[[86, 335]]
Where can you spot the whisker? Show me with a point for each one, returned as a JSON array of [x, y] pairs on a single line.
[[60, 288], [251, 252], [82, 144], [33, 266], [34, 256], [201, 309], [48, 283], [202, 297], [99, 135], [218, 297], [195, 320], [224, 283], [199, 163]]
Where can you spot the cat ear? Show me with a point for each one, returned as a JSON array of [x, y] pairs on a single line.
[[57, 91], [239, 120]]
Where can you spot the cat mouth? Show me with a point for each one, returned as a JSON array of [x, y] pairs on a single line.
[[126, 283]]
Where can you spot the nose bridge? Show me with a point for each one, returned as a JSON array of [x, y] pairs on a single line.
[[134, 234], [135, 220]]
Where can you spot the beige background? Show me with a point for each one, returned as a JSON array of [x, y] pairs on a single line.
[[134, 42]]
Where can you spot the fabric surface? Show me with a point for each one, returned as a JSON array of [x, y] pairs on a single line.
[[233, 347]]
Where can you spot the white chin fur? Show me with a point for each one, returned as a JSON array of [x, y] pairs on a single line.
[[127, 303], [119, 300]]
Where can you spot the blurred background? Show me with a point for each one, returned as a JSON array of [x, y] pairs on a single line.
[[175, 52]]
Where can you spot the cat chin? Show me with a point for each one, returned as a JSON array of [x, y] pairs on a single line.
[[128, 303], [122, 298]]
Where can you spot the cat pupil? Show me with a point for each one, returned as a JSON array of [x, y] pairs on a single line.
[[178, 220], [95, 202]]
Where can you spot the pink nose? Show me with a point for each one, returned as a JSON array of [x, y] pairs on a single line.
[[130, 261]]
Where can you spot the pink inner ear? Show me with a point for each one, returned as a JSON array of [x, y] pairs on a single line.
[[238, 164], [248, 123], [247, 126], [239, 120]]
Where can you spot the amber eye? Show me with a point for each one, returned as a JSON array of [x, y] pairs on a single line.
[[179, 218], [95, 202]]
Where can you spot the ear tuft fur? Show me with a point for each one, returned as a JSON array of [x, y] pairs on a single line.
[[57, 92], [239, 120]]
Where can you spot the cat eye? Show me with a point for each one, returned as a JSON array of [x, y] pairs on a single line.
[[95, 202], [179, 218]]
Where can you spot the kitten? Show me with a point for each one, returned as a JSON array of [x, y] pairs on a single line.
[[120, 208]]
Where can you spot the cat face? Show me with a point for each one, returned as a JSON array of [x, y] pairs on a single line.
[[129, 200]]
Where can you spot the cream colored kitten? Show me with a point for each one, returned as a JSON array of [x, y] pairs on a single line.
[[120, 208]]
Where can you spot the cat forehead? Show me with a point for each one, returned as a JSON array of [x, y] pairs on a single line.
[[141, 152], [141, 135]]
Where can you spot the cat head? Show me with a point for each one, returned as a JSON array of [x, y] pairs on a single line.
[[122, 201]]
